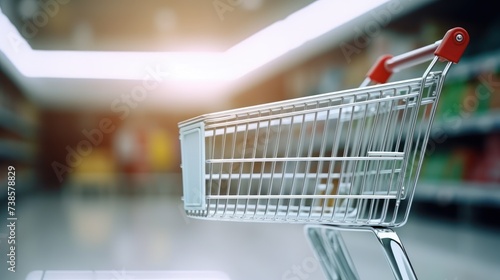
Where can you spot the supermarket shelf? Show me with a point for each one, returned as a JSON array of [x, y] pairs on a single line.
[[484, 194], [460, 126], [442, 130], [13, 123], [16, 151], [473, 66], [25, 182]]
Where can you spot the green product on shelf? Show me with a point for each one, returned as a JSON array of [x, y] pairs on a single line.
[[434, 166], [455, 167], [482, 95], [450, 105]]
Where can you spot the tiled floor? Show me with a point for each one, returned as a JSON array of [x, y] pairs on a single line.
[[150, 232]]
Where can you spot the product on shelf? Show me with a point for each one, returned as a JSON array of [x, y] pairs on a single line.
[[450, 105], [434, 166], [476, 100], [494, 88], [487, 169], [456, 164]]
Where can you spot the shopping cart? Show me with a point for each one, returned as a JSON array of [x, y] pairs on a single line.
[[346, 160]]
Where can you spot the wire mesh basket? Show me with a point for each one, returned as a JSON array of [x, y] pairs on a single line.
[[350, 157], [346, 160]]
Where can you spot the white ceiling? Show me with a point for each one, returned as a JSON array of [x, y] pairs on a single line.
[[172, 95]]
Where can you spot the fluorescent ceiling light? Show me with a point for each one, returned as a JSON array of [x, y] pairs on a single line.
[[259, 49]]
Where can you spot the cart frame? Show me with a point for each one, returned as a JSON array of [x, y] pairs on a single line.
[[261, 163]]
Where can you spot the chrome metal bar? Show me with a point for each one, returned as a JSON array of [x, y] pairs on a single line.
[[309, 155], [302, 135], [297, 175], [385, 154], [387, 140], [428, 129], [347, 164], [282, 175], [368, 144], [211, 154], [273, 164], [374, 145], [335, 148], [343, 104], [223, 116], [231, 166], [330, 249], [243, 153], [319, 174], [252, 165], [304, 159], [412, 58], [264, 153], [220, 168], [395, 254], [305, 196]]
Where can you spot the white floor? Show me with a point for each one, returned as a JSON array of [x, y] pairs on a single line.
[[56, 232]]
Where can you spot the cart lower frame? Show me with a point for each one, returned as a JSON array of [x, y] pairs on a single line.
[[335, 259]]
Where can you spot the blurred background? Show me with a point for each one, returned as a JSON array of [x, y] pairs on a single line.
[[97, 160]]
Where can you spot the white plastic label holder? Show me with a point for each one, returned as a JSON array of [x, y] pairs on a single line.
[[193, 166]]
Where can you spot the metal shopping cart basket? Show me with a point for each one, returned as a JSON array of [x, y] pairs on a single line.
[[346, 160]]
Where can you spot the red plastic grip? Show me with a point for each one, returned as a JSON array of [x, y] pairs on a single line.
[[379, 73], [454, 43], [450, 48]]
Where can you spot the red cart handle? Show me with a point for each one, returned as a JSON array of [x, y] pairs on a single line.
[[450, 48]]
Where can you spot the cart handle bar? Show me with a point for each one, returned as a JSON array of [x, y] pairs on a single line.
[[450, 48]]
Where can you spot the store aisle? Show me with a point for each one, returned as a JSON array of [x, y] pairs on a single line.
[[65, 232]]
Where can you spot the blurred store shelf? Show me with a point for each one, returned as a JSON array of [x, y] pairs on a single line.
[[461, 126], [469, 193], [470, 67], [17, 151], [25, 184], [11, 122]]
